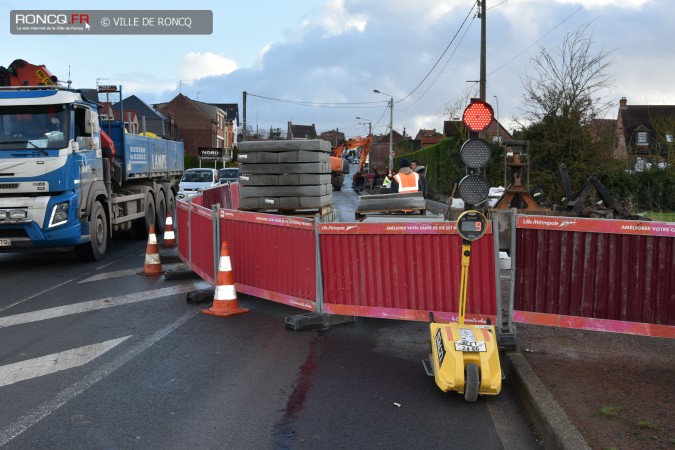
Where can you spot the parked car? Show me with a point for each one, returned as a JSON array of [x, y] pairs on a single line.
[[228, 175], [196, 180]]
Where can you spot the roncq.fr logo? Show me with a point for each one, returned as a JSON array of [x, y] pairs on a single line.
[[51, 19]]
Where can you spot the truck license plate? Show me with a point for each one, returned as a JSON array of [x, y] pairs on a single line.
[[5, 242]]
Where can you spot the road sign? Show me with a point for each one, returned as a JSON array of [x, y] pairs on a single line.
[[210, 154]]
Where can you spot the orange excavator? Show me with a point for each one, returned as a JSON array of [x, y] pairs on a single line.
[[339, 166]]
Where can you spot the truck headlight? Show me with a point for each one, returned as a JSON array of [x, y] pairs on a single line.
[[18, 214], [12, 215], [59, 214]]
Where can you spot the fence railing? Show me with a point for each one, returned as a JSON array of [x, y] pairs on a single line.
[[613, 275], [399, 270], [570, 272]]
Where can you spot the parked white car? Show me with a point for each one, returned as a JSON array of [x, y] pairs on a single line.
[[196, 180]]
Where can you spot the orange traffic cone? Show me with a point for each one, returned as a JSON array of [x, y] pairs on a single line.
[[225, 297], [152, 264], [169, 235]]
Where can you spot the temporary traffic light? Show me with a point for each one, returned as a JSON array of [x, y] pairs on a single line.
[[478, 115], [475, 153]]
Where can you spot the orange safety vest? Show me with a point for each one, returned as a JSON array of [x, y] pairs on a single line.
[[407, 183]]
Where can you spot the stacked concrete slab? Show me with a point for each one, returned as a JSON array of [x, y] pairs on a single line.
[[412, 202], [284, 175]]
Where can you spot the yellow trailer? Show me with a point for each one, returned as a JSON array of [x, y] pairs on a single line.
[[465, 358]]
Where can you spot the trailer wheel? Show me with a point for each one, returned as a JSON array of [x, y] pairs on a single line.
[[160, 221], [171, 203], [141, 227], [471, 382], [95, 249]]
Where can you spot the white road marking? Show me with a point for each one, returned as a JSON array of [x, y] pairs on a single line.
[[57, 286], [122, 273], [107, 275], [34, 416], [108, 302], [56, 362]]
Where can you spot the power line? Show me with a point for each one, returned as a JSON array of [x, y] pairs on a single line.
[[442, 54], [538, 40], [321, 104], [440, 72], [498, 4]]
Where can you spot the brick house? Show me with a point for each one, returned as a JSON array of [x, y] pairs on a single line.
[[379, 153], [201, 124], [426, 138], [644, 134], [494, 133], [333, 136], [301, 131], [143, 117]]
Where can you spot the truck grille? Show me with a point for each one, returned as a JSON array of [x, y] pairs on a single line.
[[17, 233]]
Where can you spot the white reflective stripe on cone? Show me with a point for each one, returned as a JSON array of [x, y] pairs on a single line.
[[225, 265], [152, 259], [169, 235], [152, 239], [169, 221], [225, 293]]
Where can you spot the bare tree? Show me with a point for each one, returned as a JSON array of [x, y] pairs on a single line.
[[454, 109], [570, 82]]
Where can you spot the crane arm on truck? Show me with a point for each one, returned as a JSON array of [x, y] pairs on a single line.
[[22, 73]]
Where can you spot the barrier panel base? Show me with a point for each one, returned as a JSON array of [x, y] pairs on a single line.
[[311, 321]]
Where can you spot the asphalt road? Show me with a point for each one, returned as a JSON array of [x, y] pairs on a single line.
[[96, 356]]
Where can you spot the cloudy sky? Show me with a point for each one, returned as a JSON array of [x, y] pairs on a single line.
[[318, 61]]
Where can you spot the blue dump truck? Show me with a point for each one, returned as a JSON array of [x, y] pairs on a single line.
[[71, 177]]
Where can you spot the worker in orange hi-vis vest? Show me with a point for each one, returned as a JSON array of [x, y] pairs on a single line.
[[405, 180]]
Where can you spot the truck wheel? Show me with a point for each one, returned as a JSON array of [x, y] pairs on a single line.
[[95, 249], [171, 205], [141, 227], [170, 202], [160, 221], [471, 382]]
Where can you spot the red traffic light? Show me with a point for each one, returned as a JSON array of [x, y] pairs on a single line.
[[478, 115]]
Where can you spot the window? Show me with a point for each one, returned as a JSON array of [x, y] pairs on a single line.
[[669, 138], [642, 138]]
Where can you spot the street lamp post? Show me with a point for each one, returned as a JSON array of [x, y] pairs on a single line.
[[391, 128]]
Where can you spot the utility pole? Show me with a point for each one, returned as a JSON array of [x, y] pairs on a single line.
[[482, 48], [244, 133]]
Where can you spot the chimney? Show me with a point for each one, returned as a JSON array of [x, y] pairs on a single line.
[[623, 103]]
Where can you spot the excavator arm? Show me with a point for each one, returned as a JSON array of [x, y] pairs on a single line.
[[365, 150], [339, 167]]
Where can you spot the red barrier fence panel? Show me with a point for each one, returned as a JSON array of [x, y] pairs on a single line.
[[612, 270], [404, 271], [202, 249], [225, 195], [273, 257], [181, 229]]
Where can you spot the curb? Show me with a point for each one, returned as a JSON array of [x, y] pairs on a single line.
[[549, 419]]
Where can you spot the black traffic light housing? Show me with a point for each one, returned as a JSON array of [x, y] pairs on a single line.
[[475, 153]]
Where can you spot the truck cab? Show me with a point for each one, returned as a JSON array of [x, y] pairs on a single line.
[[50, 164], [67, 179]]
